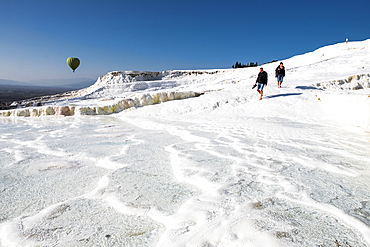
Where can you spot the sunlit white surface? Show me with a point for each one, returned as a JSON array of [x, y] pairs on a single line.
[[222, 169]]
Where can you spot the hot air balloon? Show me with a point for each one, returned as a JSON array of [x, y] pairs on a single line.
[[73, 63]]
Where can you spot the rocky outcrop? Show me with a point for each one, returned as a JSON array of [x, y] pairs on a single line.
[[115, 91], [355, 82]]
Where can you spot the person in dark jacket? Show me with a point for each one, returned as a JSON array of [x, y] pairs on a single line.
[[280, 73], [261, 81]]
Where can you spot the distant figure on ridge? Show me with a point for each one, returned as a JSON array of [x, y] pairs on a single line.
[[261, 81], [280, 73]]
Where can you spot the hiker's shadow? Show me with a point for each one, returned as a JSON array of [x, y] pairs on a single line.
[[282, 95]]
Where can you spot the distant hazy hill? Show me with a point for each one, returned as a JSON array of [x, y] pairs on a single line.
[[11, 82], [79, 85], [74, 83], [9, 93], [15, 90]]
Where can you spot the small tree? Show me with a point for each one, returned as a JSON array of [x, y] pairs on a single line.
[[237, 65]]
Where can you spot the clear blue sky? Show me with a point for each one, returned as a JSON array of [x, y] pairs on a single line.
[[37, 36]]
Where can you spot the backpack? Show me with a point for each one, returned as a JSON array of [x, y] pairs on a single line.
[[276, 71]]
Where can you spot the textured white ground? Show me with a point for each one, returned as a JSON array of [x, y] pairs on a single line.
[[222, 169]]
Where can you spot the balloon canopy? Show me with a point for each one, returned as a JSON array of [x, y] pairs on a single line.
[[73, 63]]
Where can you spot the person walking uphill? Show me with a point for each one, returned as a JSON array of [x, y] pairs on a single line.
[[261, 81], [280, 73]]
